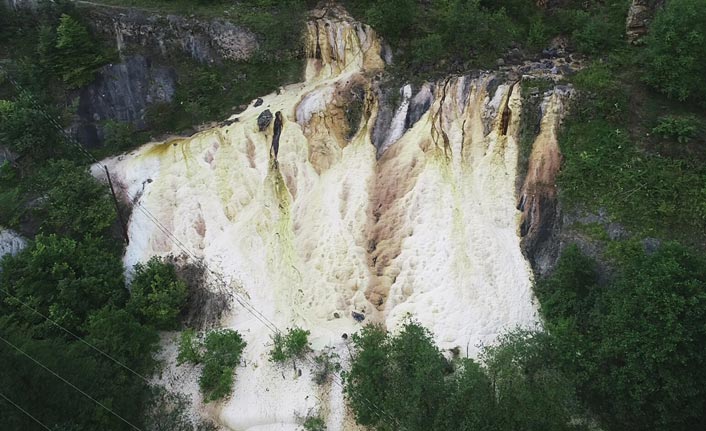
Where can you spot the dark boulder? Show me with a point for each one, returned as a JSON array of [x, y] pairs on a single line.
[[264, 119]]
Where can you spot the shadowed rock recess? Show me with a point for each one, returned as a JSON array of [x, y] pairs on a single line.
[[365, 212]]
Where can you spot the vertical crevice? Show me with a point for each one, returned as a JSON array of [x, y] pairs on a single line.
[[277, 131], [439, 117], [507, 112]]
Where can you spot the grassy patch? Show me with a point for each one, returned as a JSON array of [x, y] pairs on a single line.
[[220, 353], [294, 344], [611, 162]]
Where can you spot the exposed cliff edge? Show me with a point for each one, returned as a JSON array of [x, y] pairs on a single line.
[[122, 92], [148, 44], [355, 215], [205, 40]]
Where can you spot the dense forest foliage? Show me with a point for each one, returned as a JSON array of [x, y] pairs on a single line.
[[623, 346]]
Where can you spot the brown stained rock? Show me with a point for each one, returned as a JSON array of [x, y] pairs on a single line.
[[638, 20], [538, 202]]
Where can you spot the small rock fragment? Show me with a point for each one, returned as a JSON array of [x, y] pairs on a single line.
[[264, 119], [359, 317]]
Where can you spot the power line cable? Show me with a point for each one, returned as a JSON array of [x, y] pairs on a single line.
[[69, 383], [24, 411], [75, 336]]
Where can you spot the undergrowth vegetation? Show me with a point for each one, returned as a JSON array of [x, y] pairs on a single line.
[[632, 343], [430, 39], [291, 345], [609, 163], [404, 381], [219, 352]]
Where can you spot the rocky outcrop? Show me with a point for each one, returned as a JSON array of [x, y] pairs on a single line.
[[147, 44], [207, 41], [10, 242], [639, 16], [122, 92], [538, 200]]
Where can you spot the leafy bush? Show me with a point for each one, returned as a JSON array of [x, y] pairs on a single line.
[[568, 295], [189, 348], [61, 278], [681, 129], [223, 349], [675, 52], [10, 196], [74, 203], [294, 344], [404, 382], [604, 166], [25, 130], [314, 423], [446, 35], [157, 295], [623, 356], [116, 332], [77, 55], [392, 18], [118, 135]]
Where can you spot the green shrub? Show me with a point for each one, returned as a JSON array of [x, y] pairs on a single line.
[[600, 29], [118, 135], [75, 203], [623, 355], [537, 33], [392, 18], [326, 364], [116, 332], [216, 382], [572, 288], [404, 382], [292, 345], [189, 348], [675, 52], [170, 411], [314, 423], [25, 130], [603, 95], [222, 351], [428, 48], [157, 295], [77, 56], [10, 196], [681, 129], [64, 279]]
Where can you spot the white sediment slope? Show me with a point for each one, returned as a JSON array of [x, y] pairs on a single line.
[[428, 231]]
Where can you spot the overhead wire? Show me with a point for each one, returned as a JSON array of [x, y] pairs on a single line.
[[25, 411], [52, 372]]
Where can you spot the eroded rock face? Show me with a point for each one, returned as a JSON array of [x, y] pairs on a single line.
[[639, 16], [122, 92], [207, 41], [541, 215], [362, 217]]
